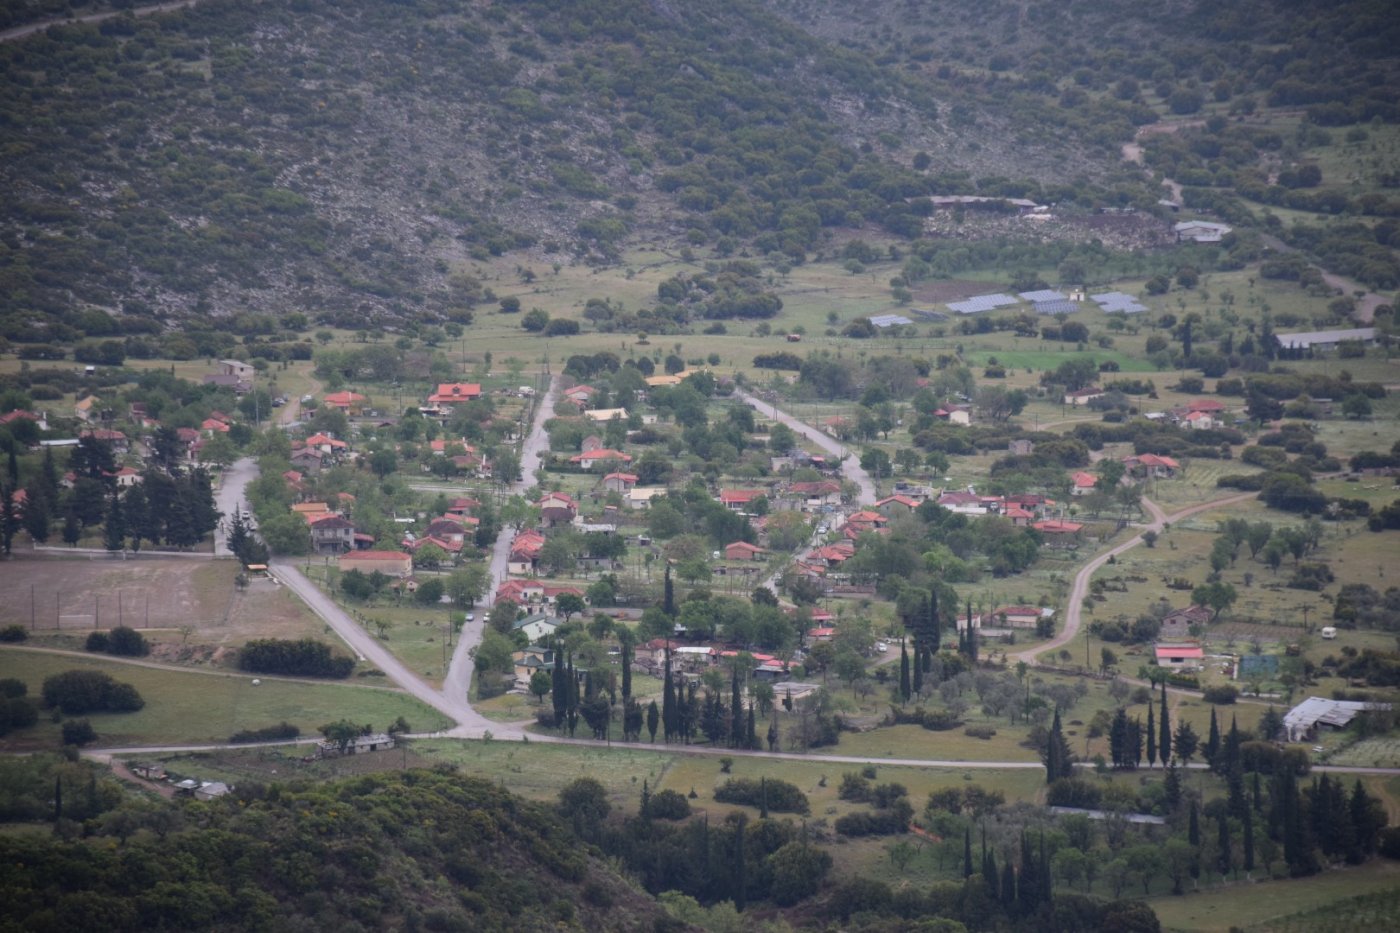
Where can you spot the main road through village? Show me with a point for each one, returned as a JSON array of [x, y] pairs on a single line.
[[453, 700]]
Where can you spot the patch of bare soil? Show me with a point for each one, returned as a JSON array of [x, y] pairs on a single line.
[[191, 611]]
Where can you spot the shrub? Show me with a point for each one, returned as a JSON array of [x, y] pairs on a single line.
[[979, 732], [853, 787], [13, 633], [1222, 695], [940, 720], [78, 732], [1074, 792], [782, 797], [78, 692], [887, 822], [96, 641], [127, 642], [668, 805], [304, 658], [283, 730]]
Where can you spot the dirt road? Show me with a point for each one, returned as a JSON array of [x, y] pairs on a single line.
[[20, 32], [1074, 607]]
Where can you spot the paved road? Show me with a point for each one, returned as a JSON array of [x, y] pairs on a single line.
[[850, 463], [458, 682], [366, 646], [231, 498], [1074, 608], [19, 32]]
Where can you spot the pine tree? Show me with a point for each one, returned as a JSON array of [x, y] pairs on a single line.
[[904, 683], [763, 798], [37, 509], [12, 469], [1151, 738], [773, 734], [645, 811], [48, 475], [1172, 787], [1164, 725]]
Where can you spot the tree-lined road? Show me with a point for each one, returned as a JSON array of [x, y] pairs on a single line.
[[850, 464]]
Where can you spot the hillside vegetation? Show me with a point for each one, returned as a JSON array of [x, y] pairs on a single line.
[[413, 850]]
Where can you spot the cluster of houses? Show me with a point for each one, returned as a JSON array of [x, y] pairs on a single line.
[[186, 787]]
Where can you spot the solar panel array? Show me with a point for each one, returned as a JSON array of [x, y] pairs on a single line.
[[1044, 294], [1062, 306], [889, 320], [1118, 301], [982, 303]]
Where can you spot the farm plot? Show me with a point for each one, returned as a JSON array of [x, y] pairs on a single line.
[[1370, 753]]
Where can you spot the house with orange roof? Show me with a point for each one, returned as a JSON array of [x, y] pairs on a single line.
[[592, 459], [211, 426], [743, 550], [737, 500], [897, 505], [619, 482], [392, 563], [1059, 533], [455, 393], [125, 478], [1083, 483], [352, 403], [1141, 466]]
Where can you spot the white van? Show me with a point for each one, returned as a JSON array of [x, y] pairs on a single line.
[[1329, 632]]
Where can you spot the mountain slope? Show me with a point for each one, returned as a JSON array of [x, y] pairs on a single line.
[[343, 158]]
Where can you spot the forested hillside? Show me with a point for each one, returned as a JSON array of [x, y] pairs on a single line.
[[340, 158], [345, 159], [408, 851]]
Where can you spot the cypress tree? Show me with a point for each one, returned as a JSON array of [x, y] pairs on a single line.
[[736, 711], [904, 683], [1172, 787], [1008, 886], [932, 628], [559, 693], [1059, 760], [751, 736], [763, 798], [1212, 739], [1223, 844], [668, 701], [1164, 737], [1028, 884], [989, 870], [1193, 836], [773, 733], [114, 525], [1248, 821], [57, 800], [967, 851], [1151, 738], [1135, 743], [653, 719], [668, 599], [12, 469], [741, 880], [48, 475], [626, 669], [645, 811], [1118, 738], [918, 673]]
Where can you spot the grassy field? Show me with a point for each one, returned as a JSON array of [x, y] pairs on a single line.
[[202, 707], [1259, 906]]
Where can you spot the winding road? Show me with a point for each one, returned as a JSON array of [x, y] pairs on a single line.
[[850, 465], [1074, 608]]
